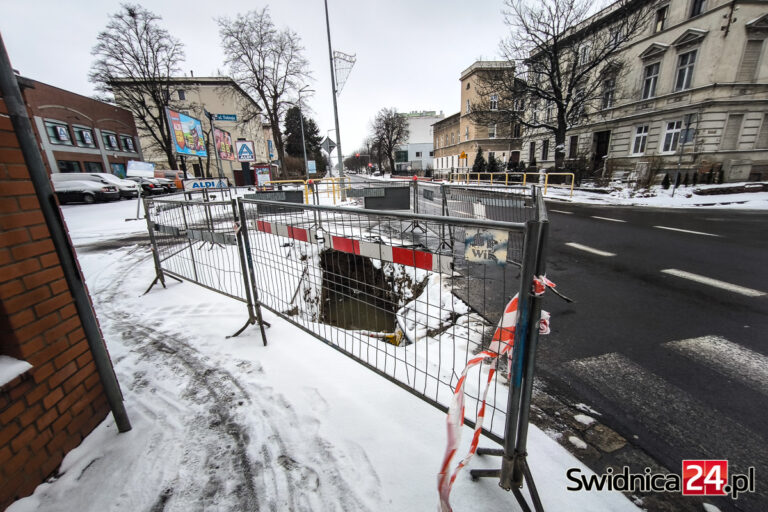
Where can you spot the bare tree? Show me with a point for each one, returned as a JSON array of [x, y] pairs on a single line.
[[390, 130], [266, 62], [135, 59], [566, 64]]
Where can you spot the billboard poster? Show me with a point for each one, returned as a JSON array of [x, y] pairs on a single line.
[[262, 175], [224, 144], [187, 134]]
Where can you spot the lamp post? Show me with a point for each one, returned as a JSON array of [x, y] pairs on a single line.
[[301, 122]]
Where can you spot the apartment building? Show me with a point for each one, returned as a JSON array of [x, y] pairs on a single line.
[[418, 152], [233, 109], [694, 97], [462, 133]]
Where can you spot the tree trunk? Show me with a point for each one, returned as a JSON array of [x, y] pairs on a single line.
[[560, 142], [391, 163]]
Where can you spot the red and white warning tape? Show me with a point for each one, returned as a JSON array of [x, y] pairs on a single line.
[[402, 255], [502, 343]]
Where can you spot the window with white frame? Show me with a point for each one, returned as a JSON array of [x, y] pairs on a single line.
[[672, 136], [491, 131], [110, 140], [84, 137], [58, 133], [467, 107], [650, 79], [494, 102], [640, 140], [545, 149], [518, 104], [466, 133], [609, 90], [418, 154], [685, 63]]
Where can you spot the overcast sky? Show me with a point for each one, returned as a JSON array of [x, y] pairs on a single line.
[[410, 53]]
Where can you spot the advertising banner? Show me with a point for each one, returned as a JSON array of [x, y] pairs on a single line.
[[245, 151], [224, 144], [187, 134], [262, 175], [200, 183]]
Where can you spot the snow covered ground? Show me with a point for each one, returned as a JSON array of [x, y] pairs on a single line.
[[228, 424]]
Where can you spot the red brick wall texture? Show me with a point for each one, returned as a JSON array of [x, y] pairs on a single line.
[[46, 411]]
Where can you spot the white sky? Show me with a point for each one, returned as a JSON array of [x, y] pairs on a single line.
[[410, 53]]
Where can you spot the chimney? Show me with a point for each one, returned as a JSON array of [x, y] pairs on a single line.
[[191, 73]]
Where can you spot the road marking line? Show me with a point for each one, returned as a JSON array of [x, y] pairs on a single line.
[[562, 211], [686, 231], [727, 358], [589, 249], [667, 410], [749, 292], [607, 218]]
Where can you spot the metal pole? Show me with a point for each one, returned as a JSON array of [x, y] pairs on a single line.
[[17, 111], [303, 142], [215, 149], [335, 108]]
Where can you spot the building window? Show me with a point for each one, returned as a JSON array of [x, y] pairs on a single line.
[[584, 54], [697, 7], [418, 154], [549, 111], [731, 132], [110, 141], [516, 131], [685, 64], [127, 143], [84, 137], [518, 104], [466, 133], [467, 107], [749, 60], [452, 140], [431, 153], [661, 19], [182, 95], [573, 146], [672, 136], [545, 149], [494, 102], [93, 167], [491, 154], [651, 79], [532, 152], [467, 85], [68, 166], [609, 89], [641, 137], [58, 133], [492, 131]]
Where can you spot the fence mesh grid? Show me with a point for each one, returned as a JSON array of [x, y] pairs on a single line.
[[397, 293]]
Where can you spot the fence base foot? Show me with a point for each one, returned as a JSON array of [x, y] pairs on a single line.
[[160, 278], [252, 321], [518, 465], [498, 452], [477, 474]]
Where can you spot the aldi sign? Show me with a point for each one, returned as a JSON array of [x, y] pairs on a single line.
[[245, 151], [201, 183]]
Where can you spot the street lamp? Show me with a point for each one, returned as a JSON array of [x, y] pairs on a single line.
[[301, 122]]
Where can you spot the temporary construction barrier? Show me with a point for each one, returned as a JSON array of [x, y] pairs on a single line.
[[414, 297]]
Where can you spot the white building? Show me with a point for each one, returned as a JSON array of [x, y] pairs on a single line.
[[418, 152]]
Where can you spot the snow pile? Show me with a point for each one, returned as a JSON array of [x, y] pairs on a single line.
[[11, 368], [431, 312]]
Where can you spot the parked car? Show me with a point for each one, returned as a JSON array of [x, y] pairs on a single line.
[[125, 187], [149, 186], [72, 191], [168, 185]]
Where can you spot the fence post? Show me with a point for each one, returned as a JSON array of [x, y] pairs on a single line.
[[249, 258], [159, 276], [189, 240], [243, 269]]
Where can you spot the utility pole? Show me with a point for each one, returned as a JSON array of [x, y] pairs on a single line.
[[335, 108], [303, 141]]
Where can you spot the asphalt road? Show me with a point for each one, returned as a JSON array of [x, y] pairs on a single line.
[[677, 366], [667, 337]]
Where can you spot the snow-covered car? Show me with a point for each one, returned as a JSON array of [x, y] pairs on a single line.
[[149, 186], [73, 191], [126, 188], [169, 186]]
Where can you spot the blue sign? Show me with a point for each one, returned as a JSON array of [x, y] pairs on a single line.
[[312, 166], [225, 117], [271, 153]]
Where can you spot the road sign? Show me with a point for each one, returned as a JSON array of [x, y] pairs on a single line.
[[328, 145], [463, 156], [225, 117], [245, 152]]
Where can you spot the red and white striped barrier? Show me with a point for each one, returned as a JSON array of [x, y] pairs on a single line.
[[502, 343], [401, 255]]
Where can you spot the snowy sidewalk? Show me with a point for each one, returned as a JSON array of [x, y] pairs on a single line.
[[227, 424]]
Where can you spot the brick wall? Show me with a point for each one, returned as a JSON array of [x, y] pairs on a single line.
[[46, 411]]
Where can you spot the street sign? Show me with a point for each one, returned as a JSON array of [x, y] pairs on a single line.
[[463, 156], [201, 183], [312, 166], [328, 145], [245, 151], [225, 117]]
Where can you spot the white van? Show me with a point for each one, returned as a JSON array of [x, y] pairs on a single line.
[[127, 188]]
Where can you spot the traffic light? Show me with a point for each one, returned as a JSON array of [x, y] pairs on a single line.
[[357, 155]]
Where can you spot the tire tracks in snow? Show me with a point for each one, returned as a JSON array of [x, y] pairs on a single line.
[[273, 463]]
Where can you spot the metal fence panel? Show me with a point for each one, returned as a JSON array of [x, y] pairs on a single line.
[[411, 296]]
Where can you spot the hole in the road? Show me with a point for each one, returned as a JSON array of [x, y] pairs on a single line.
[[356, 294]]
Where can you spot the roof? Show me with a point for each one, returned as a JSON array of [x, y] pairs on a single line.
[[200, 80], [448, 119], [486, 65]]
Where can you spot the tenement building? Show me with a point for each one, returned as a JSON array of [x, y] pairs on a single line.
[[693, 97], [458, 137]]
